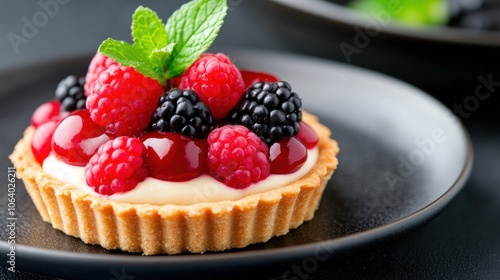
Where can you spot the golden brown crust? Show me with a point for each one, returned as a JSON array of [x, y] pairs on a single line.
[[172, 229]]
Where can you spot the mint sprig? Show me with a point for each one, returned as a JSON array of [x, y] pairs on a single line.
[[163, 52], [193, 28], [150, 38]]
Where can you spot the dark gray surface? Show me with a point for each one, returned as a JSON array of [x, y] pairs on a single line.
[[462, 243]]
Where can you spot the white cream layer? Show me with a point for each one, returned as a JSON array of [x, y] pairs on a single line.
[[158, 192]]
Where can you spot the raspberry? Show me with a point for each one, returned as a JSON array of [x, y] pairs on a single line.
[[183, 112], [237, 157], [70, 93], [118, 166], [271, 110], [98, 64], [122, 100], [216, 80]]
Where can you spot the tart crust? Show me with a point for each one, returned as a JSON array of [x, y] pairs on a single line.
[[173, 229]]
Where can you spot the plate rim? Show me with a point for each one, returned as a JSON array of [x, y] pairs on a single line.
[[338, 14], [345, 245]]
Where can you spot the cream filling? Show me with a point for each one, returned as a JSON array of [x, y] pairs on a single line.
[[159, 192]]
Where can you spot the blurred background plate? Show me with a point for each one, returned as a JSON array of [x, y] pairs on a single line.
[[336, 12], [448, 63]]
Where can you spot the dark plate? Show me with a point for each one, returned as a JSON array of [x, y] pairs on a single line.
[[403, 158], [335, 12]]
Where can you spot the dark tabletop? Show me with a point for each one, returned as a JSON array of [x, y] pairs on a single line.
[[463, 242]]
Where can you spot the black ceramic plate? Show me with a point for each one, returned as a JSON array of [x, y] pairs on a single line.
[[346, 17], [403, 158]]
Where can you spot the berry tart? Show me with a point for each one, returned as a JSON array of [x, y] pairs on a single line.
[[165, 148]]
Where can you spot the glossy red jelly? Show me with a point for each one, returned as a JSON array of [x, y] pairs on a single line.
[[287, 156], [45, 112], [41, 142], [307, 136], [77, 138], [174, 157], [251, 77]]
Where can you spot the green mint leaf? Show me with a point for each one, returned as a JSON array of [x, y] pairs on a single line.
[[193, 28], [160, 56], [150, 51], [190, 30], [127, 55], [148, 31]]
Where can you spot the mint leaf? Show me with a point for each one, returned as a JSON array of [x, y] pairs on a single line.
[[160, 57], [148, 31], [193, 28], [127, 55], [163, 52], [150, 51]]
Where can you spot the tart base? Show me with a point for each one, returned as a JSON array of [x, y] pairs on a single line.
[[173, 229]]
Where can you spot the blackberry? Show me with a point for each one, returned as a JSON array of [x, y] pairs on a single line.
[[271, 110], [182, 111], [71, 94]]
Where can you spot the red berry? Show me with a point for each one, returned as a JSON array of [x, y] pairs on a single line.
[[217, 82], [172, 156], [45, 112], [237, 157], [77, 138], [287, 156], [122, 100], [98, 64], [307, 136], [41, 142], [118, 166], [251, 77]]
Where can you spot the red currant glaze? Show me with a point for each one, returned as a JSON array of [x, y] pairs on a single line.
[[77, 138], [45, 112], [174, 157], [251, 77], [307, 136], [41, 142], [287, 156], [174, 82]]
